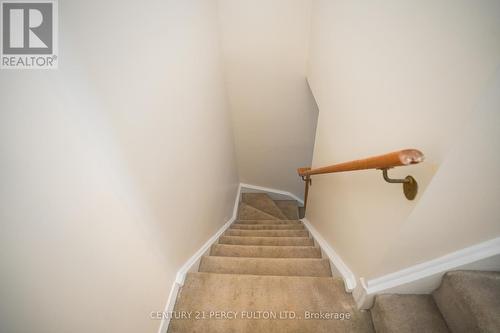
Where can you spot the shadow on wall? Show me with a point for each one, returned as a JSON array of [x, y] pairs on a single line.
[[460, 207], [315, 114], [265, 47]]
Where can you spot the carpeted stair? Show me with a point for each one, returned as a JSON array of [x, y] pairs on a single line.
[[470, 301], [407, 313], [466, 302], [265, 274]]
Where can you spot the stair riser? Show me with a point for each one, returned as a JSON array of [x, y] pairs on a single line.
[[268, 227], [267, 233], [266, 266], [265, 251], [265, 241], [258, 222]]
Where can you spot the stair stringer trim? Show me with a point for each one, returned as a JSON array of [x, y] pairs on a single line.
[[335, 259], [424, 278], [193, 263]]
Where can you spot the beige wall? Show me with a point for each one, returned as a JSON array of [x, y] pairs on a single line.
[[389, 75], [265, 45], [460, 207], [115, 168]]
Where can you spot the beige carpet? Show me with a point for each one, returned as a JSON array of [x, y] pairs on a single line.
[[266, 275]]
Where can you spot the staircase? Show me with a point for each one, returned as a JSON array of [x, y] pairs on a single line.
[[266, 275]]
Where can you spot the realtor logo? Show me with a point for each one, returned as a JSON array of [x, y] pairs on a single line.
[[29, 34]]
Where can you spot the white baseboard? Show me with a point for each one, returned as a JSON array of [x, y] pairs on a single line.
[[426, 277], [193, 263], [285, 194], [423, 278], [335, 260], [170, 307]]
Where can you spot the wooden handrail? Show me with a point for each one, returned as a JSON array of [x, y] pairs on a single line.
[[386, 161], [383, 162]]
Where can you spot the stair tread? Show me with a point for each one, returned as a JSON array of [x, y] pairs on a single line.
[[251, 251], [245, 293], [266, 266], [407, 313], [264, 203], [275, 241], [470, 301], [266, 233]]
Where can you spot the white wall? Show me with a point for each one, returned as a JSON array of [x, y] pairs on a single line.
[[115, 168], [389, 75], [265, 45]]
